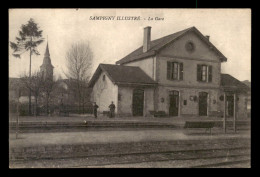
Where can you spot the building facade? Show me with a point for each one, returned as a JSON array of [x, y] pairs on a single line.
[[186, 70]]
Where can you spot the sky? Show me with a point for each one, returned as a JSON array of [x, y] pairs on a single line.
[[111, 40]]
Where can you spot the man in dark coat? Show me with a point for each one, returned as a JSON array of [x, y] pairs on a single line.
[[112, 108], [95, 107]]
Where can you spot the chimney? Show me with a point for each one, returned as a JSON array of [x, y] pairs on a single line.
[[207, 37], [147, 38]]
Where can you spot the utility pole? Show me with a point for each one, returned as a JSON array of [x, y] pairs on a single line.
[[30, 92], [17, 110], [234, 122], [224, 117]]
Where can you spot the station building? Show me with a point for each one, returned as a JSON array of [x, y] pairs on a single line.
[[179, 74]]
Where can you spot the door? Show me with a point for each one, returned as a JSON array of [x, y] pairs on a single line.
[[203, 103], [138, 102], [174, 103], [230, 105]]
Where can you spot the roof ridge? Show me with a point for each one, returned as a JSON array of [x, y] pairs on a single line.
[[118, 65], [169, 35], [173, 33], [160, 41], [122, 74]]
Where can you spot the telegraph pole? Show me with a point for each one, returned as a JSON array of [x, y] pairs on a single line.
[[224, 118], [234, 121], [17, 110]]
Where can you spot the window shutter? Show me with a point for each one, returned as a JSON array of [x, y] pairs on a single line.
[[173, 70], [199, 73], [181, 71], [168, 70], [210, 73]]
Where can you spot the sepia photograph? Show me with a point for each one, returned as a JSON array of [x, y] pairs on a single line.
[[129, 88]]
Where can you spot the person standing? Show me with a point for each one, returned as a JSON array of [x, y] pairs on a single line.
[[112, 108], [95, 107]]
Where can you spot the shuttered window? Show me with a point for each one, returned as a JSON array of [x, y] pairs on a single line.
[[204, 73], [174, 71]]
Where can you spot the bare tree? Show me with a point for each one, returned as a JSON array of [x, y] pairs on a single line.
[[34, 83], [48, 87], [79, 62]]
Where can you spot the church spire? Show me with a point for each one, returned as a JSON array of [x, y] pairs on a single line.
[[47, 53], [46, 68]]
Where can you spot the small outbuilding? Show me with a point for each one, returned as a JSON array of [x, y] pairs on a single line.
[[130, 88]]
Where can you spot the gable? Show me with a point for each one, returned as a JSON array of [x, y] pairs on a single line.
[[179, 48], [103, 81], [120, 74], [164, 42]]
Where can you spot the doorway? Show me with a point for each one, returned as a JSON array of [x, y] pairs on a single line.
[[230, 105], [203, 104], [174, 103], [138, 102]]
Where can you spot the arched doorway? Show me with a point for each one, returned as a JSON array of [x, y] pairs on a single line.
[[203, 103], [138, 102], [174, 103]]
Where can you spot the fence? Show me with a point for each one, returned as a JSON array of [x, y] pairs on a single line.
[[62, 110]]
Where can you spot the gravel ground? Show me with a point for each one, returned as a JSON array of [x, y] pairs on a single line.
[[84, 163], [89, 117], [36, 139]]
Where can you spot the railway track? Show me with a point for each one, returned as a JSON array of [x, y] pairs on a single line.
[[40, 128], [243, 163], [199, 158]]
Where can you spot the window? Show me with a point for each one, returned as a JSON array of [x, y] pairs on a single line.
[[174, 71], [104, 77], [190, 47], [204, 73]]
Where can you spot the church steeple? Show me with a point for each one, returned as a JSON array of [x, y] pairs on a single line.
[[47, 53], [46, 67]]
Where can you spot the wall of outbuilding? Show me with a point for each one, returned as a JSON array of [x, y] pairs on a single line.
[[126, 100], [104, 91]]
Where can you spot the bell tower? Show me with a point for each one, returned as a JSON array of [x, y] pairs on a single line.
[[46, 68]]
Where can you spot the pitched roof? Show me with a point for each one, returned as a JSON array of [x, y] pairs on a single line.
[[247, 82], [120, 74], [160, 43], [228, 82]]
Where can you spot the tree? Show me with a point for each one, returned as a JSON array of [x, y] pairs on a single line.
[[48, 87], [28, 39], [35, 84], [79, 62]]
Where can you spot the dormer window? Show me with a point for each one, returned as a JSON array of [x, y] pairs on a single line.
[[174, 71], [104, 77]]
